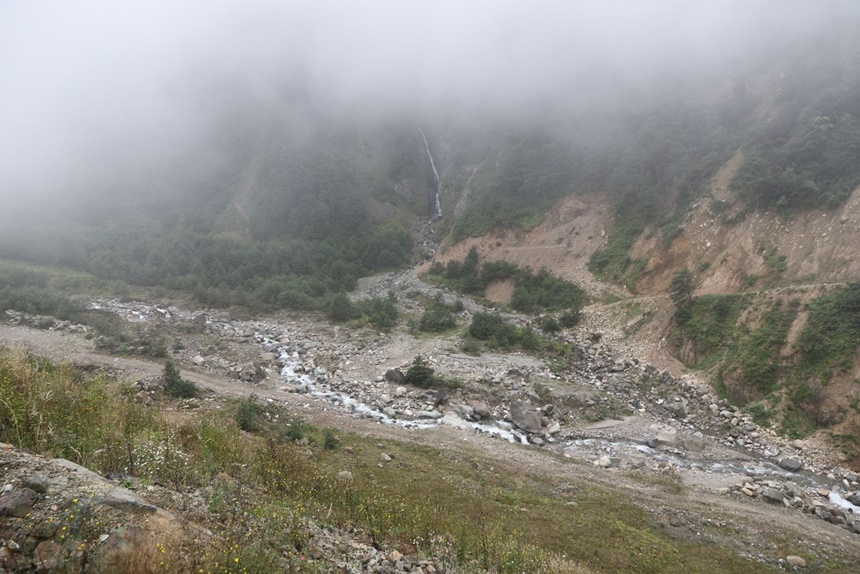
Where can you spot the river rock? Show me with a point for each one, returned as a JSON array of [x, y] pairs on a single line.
[[771, 495], [666, 437], [796, 561], [695, 442], [481, 409], [526, 417], [790, 464]]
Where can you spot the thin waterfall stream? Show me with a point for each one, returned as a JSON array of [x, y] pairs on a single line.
[[437, 208]]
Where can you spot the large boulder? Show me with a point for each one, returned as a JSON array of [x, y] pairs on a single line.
[[526, 417], [790, 464], [394, 376], [695, 442]]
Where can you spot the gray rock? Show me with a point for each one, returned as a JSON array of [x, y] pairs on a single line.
[[385, 457], [400, 392], [126, 500], [667, 437], [37, 482], [345, 476], [679, 409], [526, 417], [481, 409], [796, 561], [603, 462], [790, 464], [771, 495], [696, 442], [792, 489], [18, 503], [198, 360], [394, 376]]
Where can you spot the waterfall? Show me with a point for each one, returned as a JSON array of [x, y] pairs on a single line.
[[437, 209]]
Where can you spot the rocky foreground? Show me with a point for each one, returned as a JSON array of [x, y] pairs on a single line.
[[619, 414]]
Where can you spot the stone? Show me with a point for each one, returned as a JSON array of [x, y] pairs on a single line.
[[792, 489], [796, 561], [18, 503], [198, 360], [400, 392], [772, 495], [603, 462], [127, 500], [48, 556], [666, 437], [394, 376], [526, 417], [554, 428], [385, 457], [345, 476], [679, 410], [790, 464], [696, 442], [37, 482], [143, 398], [481, 409]]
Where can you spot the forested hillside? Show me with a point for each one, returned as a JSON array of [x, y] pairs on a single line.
[[280, 202]]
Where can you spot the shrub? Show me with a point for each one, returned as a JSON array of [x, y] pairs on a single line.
[[549, 324], [570, 318], [489, 327], [420, 374], [330, 440], [175, 385], [340, 309], [248, 413]]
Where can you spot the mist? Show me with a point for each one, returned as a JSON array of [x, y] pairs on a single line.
[[93, 87]]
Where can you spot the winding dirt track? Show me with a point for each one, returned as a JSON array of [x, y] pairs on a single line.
[[750, 519]]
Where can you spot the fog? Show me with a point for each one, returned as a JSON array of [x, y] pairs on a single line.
[[85, 86]]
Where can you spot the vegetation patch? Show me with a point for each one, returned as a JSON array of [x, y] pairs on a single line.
[[533, 292], [710, 326], [832, 331]]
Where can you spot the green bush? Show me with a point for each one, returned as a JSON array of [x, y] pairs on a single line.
[[340, 309], [533, 292], [174, 385], [550, 324], [570, 318], [830, 337], [420, 374], [248, 413]]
